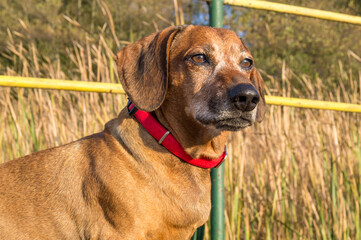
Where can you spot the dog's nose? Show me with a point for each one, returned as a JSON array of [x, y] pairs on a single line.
[[244, 97]]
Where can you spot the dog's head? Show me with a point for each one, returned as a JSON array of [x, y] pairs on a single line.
[[209, 69]]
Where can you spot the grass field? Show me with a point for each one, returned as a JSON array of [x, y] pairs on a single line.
[[296, 175]]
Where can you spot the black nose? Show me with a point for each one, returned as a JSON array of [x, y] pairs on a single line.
[[244, 97]]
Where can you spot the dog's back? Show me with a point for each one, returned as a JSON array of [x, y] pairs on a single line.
[[38, 192], [55, 193]]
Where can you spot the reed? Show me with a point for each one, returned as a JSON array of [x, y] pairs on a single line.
[[296, 175]]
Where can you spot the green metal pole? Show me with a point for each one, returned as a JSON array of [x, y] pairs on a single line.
[[217, 212], [216, 13], [217, 174]]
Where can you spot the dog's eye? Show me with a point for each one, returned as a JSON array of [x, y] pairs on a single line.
[[246, 63], [199, 58]]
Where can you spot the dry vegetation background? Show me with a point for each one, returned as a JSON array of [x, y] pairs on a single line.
[[296, 175]]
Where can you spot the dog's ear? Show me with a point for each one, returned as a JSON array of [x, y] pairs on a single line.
[[143, 69], [258, 81]]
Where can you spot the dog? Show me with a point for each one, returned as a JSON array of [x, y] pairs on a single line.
[[198, 84]]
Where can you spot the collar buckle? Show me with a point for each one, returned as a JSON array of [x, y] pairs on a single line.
[[132, 111], [163, 137]]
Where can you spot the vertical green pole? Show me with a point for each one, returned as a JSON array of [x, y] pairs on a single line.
[[216, 13], [217, 212], [217, 174]]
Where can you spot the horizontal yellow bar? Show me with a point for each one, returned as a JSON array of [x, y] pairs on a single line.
[[29, 82], [302, 11], [316, 104], [25, 82]]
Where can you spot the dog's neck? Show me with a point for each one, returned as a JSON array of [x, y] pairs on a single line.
[[171, 176], [197, 140]]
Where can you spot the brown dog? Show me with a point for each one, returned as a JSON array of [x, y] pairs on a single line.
[[199, 83]]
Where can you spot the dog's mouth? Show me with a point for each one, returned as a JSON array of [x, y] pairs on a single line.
[[228, 124], [233, 124], [223, 116]]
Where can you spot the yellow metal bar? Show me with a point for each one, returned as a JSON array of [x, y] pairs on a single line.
[[28, 82], [316, 104], [302, 11], [45, 83]]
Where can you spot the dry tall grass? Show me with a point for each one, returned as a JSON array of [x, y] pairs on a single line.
[[297, 175]]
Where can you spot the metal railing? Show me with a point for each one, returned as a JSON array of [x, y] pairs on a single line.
[[82, 86], [295, 10]]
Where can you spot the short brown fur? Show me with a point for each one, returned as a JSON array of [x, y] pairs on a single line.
[[120, 183]]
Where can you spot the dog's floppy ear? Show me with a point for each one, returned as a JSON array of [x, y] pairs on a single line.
[[143, 69], [258, 81]]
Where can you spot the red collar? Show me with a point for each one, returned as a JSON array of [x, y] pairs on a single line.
[[165, 138]]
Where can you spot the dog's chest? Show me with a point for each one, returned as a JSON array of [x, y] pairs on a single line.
[[154, 212], [180, 212], [187, 207], [173, 207]]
